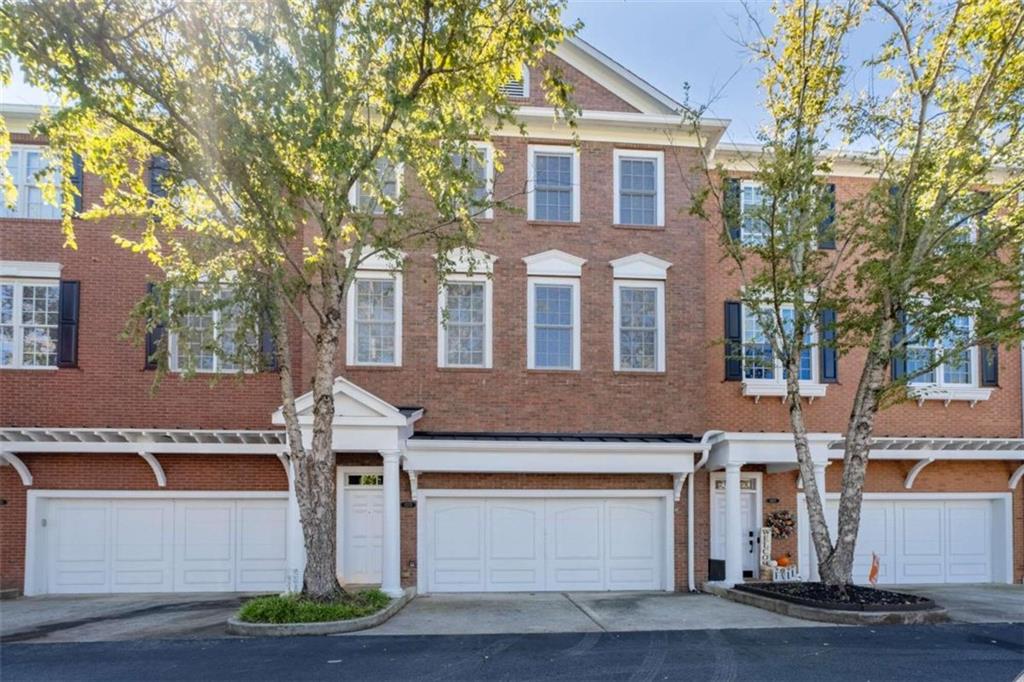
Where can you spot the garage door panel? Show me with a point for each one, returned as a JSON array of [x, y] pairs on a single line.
[[875, 536], [79, 534], [535, 544], [969, 537], [143, 549], [204, 548], [262, 534]]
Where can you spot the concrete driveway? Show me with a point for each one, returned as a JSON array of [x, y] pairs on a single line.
[[466, 614], [98, 618], [984, 603]]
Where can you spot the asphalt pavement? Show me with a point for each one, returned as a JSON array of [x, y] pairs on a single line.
[[928, 652]]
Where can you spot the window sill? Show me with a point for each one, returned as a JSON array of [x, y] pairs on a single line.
[[551, 370], [463, 368], [553, 223], [947, 394], [777, 389], [369, 366], [30, 368], [625, 226], [653, 373]]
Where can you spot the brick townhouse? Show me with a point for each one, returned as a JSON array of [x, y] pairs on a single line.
[[572, 427]]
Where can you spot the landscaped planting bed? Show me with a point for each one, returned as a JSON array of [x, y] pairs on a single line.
[[845, 598], [279, 609]]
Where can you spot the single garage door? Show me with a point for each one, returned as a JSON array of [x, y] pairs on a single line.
[[510, 544], [924, 541], [164, 545]]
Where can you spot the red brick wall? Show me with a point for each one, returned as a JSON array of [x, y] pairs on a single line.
[[119, 472], [587, 93]]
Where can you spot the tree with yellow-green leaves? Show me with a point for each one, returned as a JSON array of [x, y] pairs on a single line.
[[920, 274], [250, 151]]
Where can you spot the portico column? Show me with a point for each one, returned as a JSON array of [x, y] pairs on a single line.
[[819, 480], [733, 539], [391, 548]]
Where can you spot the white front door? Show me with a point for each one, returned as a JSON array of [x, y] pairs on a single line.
[[750, 503], [509, 544], [104, 545], [362, 523]]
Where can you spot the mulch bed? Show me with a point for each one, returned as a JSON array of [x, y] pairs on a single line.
[[846, 598]]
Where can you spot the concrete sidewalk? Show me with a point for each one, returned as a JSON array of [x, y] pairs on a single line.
[[981, 603], [464, 614]]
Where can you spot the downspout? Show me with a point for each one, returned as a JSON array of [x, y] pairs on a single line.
[[705, 452]]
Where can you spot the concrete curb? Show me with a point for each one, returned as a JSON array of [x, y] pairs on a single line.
[[333, 627], [937, 615]]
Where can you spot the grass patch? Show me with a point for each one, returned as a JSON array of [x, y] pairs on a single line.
[[296, 609]]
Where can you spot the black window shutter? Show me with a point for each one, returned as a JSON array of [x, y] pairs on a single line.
[[826, 229], [733, 341], [732, 207], [154, 336], [827, 349], [67, 330], [158, 168], [268, 349], [989, 365], [78, 180], [898, 363]]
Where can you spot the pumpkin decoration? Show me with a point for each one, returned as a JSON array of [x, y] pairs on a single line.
[[785, 560]]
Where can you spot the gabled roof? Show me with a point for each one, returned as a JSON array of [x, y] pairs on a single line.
[[354, 406]]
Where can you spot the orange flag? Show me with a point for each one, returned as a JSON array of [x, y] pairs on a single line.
[[873, 573]]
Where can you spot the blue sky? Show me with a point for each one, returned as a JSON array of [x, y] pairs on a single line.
[[669, 43]]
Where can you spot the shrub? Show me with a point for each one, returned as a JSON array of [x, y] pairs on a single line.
[[296, 609]]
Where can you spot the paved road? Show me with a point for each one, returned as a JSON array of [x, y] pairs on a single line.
[[933, 652]]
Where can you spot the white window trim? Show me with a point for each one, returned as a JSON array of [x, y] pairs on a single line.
[[442, 329], [350, 322], [532, 150], [745, 183], [21, 205], [356, 190], [776, 388], [554, 263], [32, 269], [659, 287], [574, 282], [950, 392], [659, 158], [487, 150], [640, 266], [19, 339]]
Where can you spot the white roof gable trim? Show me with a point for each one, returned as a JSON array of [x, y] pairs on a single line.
[[380, 260], [554, 263], [353, 406], [473, 261], [640, 266]]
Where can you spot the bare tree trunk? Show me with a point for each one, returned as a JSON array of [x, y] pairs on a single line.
[[838, 568], [812, 496]]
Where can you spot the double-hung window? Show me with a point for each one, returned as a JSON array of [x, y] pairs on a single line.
[[553, 310], [464, 309], [29, 322], [639, 197], [386, 183], [481, 165], [753, 228], [763, 372], [208, 343], [27, 166], [553, 184], [639, 325], [374, 306], [956, 368]]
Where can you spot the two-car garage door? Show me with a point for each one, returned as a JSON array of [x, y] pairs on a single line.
[[508, 544], [98, 545]]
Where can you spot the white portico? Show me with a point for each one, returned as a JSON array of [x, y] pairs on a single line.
[[363, 423]]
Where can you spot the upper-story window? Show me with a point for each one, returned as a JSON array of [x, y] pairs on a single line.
[[465, 322], [29, 322], [753, 228], [374, 329], [208, 343], [639, 312], [388, 181], [955, 370], [482, 167], [26, 165], [553, 311], [759, 361], [553, 184], [639, 197]]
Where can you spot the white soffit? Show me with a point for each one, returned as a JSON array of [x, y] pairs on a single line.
[[554, 263], [22, 268], [640, 266]]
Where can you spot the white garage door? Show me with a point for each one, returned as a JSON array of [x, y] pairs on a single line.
[[509, 544], [164, 545], [924, 541]]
